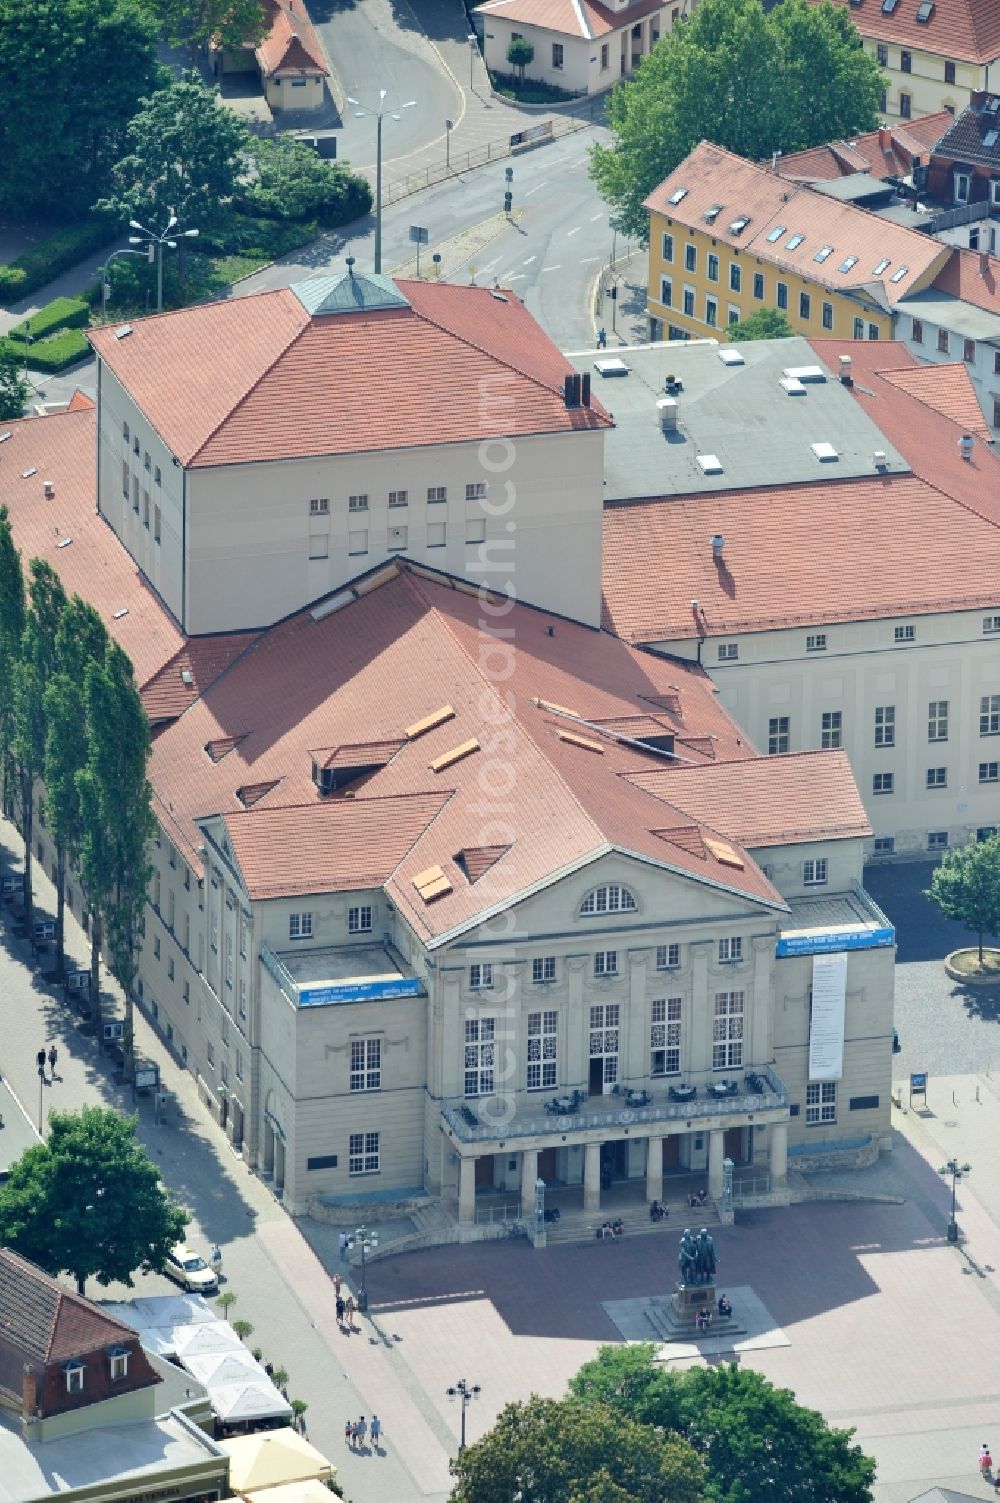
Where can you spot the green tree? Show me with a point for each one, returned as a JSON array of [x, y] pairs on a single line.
[[80, 639], [11, 635], [520, 55], [73, 74], [231, 24], [755, 1441], [13, 387], [32, 675], [117, 817], [562, 1451], [89, 1201], [184, 156], [966, 886], [763, 323], [750, 82], [292, 182]]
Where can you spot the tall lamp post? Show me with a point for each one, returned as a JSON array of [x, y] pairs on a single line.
[[378, 113], [150, 238], [149, 253], [465, 1391], [367, 1241], [473, 41], [956, 1170]]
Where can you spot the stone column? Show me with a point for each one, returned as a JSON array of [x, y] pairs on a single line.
[[654, 1168], [529, 1173], [699, 1049], [779, 1155], [466, 1190], [592, 1177], [634, 1066], [576, 1024], [716, 1139]]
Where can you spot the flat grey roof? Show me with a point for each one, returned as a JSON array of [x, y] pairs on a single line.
[[740, 414], [340, 963], [856, 188], [952, 313], [143, 1450], [835, 910], [906, 214]]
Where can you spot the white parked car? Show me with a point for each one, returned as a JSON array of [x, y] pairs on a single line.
[[188, 1269]]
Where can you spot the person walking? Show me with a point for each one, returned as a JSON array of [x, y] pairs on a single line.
[[40, 1061], [376, 1431], [344, 1241], [362, 1431], [349, 1311], [602, 338], [337, 1281], [53, 1056], [216, 1260], [340, 1310], [349, 1433]]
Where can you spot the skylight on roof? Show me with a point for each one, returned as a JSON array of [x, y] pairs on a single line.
[[677, 195], [847, 263], [888, 6], [795, 242], [898, 276], [823, 253], [729, 356], [994, 106], [712, 214], [793, 386], [991, 137], [710, 464], [739, 225], [824, 452], [882, 266], [925, 11], [776, 234]]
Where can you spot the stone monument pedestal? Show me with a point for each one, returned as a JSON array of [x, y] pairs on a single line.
[[676, 1319], [688, 1299]]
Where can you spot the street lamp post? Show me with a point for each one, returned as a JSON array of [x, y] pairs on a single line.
[[473, 49], [449, 126], [393, 114], [149, 253], [956, 1170], [367, 1241], [466, 1392], [41, 1087], [168, 237]]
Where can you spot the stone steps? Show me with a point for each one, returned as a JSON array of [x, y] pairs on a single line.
[[581, 1226]]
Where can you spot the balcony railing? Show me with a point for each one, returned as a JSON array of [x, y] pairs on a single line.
[[466, 1119]]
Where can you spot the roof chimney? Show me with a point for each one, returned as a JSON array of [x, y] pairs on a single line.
[[965, 447], [29, 1392], [48, 489], [885, 138], [984, 263], [845, 362], [585, 389], [350, 266], [718, 543]]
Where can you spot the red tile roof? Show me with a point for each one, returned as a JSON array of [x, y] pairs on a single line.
[[884, 153], [770, 801], [714, 178], [974, 276], [576, 18], [80, 402], [192, 668], [945, 389], [291, 45], [851, 550], [967, 31], [46, 1323], [263, 380]]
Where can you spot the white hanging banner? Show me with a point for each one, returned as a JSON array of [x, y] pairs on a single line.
[[826, 1033]]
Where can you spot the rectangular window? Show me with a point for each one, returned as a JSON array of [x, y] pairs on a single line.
[[942, 341], [170, 968], [436, 534], [735, 276], [135, 494], [319, 506], [359, 920], [665, 1036], [711, 312], [882, 54], [357, 503], [728, 652], [989, 772], [885, 725], [319, 546], [363, 1153], [156, 947], [782, 295], [666, 292], [989, 715], [475, 490], [885, 845], [605, 1037], [125, 474], [904, 633], [969, 351], [119, 1366], [437, 493], [727, 1031], [689, 302], [229, 960], [882, 782], [210, 1053], [156, 524], [991, 624], [243, 997], [905, 106], [366, 1064], [480, 1047], [244, 932], [937, 840], [606, 963], [831, 729], [827, 315], [213, 936], [873, 331], [398, 498], [758, 285], [905, 61], [475, 532], [804, 304], [157, 477], [821, 1102], [917, 330], [668, 957], [937, 720], [145, 510], [357, 542], [814, 872], [300, 926], [859, 328], [730, 950], [713, 267], [777, 735], [816, 642], [239, 1065], [543, 969], [542, 1051], [481, 977], [690, 257], [949, 73], [937, 777], [668, 248], [557, 56], [732, 314], [74, 1377]]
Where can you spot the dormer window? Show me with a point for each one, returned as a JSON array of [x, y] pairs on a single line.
[[73, 1372], [118, 1358]]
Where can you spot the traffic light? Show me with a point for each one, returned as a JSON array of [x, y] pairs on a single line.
[[508, 202], [614, 292]]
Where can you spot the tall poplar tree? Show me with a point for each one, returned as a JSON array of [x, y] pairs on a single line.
[[11, 633], [32, 675]]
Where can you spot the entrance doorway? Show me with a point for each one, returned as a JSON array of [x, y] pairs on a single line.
[[484, 1172], [547, 1165], [605, 1029], [734, 1144], [672, 1151], [614, 1163], [224, 1114]]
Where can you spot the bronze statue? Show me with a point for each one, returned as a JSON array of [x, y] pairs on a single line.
[[706, 1257], [687, 1257]]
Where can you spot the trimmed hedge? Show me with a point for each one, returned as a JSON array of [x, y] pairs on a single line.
[[52, 354], [51, 257], [61, 313]]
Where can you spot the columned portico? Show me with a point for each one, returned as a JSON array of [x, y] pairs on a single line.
[[466, 1190], [592, 1177], [654, 1169], [716, 1153], [529, 1174], [779, 1155]]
